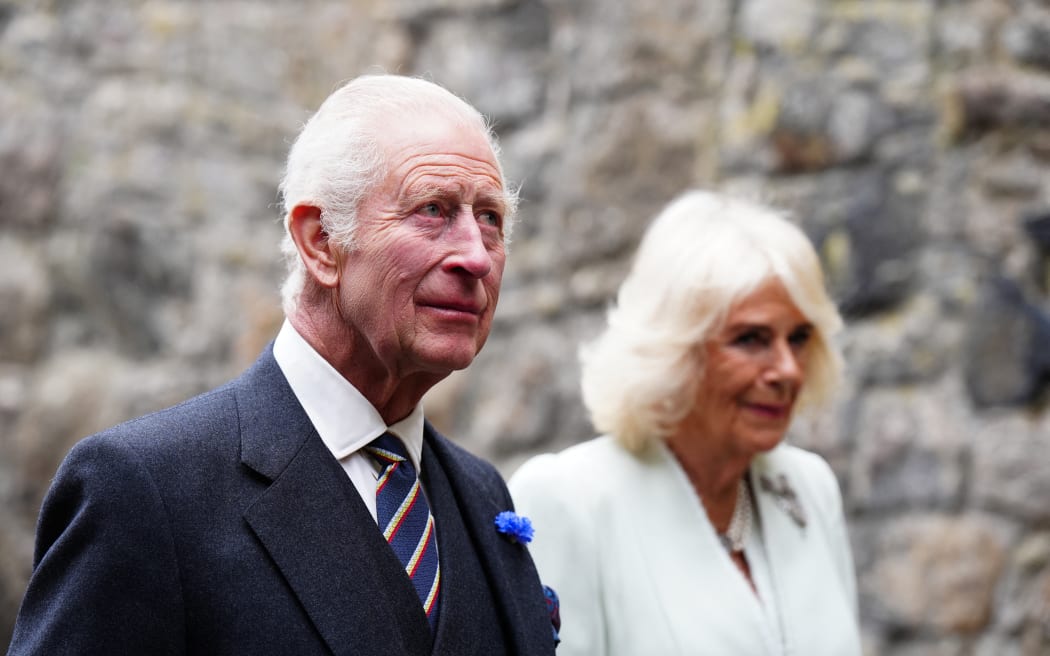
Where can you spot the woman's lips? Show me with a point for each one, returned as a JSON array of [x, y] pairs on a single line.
[[769, 410]]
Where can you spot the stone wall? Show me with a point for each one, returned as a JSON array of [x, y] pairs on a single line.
[[141, 143]]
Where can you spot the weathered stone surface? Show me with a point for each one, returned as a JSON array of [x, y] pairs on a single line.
[[819, 126], [1037, 225], [535, 403], [904, 349], [16, 554], [1006, 347], [963, 31], [422, 9], [936, 573], [77, 395], [1015, 175], [613, 49], [928, 647], [796, 24], [948, 209], [626, 156], [30, 145], [984, 100], [1026, 36], [1011, 463], [879, 230], [908, 453], [515, 43], [827, 430], [1024, 596], [26, 299]]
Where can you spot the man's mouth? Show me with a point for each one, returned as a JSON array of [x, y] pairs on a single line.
[[454, 307]]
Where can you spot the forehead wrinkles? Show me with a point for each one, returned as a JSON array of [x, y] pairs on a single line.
[[447, 175], [440, 145], [447, 165]]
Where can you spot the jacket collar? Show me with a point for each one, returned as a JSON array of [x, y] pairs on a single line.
[[309, 520], [481, 494]]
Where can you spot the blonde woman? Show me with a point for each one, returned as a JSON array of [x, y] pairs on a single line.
[[689, 527]]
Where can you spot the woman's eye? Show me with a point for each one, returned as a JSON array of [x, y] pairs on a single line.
[[750, 338], [431, 210], [489, 219], [801, 336]]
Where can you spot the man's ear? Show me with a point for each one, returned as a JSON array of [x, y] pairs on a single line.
[[315, 248]]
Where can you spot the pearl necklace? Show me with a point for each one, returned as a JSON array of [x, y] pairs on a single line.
[[740, 525]]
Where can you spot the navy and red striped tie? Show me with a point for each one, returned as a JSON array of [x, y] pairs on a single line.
[[404, 518]]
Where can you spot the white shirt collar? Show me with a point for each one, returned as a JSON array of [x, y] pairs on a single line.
[[343, 417]]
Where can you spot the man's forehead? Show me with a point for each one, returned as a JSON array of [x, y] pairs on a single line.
[[430, 138], [446, 172]]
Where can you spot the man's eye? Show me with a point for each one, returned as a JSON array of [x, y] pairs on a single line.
[[431, 210], [489, 219]]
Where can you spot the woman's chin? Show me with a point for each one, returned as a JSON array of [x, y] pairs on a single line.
[[763, 441]]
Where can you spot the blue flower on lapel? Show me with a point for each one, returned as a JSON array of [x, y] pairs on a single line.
[[514, 526]]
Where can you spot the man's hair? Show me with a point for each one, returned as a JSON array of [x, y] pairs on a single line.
[[338, 158], [703, 253]]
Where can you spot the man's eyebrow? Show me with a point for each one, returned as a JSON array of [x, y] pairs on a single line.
[[417, 194], [421, 192], [496, 198]]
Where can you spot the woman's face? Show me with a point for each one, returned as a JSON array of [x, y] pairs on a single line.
[[755, 369]]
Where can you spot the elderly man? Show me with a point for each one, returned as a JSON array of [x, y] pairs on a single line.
[[307, 507]]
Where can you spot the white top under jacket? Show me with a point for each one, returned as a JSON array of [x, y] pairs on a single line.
[[343, 417], [627, 545]]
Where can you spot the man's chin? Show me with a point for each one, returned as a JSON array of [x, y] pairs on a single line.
[[449, 359]]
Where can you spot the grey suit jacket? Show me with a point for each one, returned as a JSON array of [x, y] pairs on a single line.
[[223, 525]]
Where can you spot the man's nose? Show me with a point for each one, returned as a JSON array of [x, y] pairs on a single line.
[[468, 250]]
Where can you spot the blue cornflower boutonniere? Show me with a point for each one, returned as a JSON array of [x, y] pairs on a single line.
[[514, 526]]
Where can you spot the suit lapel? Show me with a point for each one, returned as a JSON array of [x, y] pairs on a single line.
[[679, 554], [790, 553], [467, 622], [318, 532], [508, 569]]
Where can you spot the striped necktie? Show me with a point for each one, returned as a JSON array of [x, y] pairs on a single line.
[[404, 517]]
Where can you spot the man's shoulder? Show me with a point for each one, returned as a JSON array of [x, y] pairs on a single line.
[[203, 416], [207, 417]]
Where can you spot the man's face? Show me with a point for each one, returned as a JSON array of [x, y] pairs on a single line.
[[419, 287]]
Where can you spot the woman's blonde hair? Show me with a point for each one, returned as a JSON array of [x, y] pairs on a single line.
[[702, 253]]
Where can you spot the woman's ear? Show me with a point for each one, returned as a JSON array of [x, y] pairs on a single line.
[[315, 248]]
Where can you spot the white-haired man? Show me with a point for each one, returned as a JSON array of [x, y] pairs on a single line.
[[307, 507]]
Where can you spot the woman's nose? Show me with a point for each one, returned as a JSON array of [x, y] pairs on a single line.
[[786, 366]]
